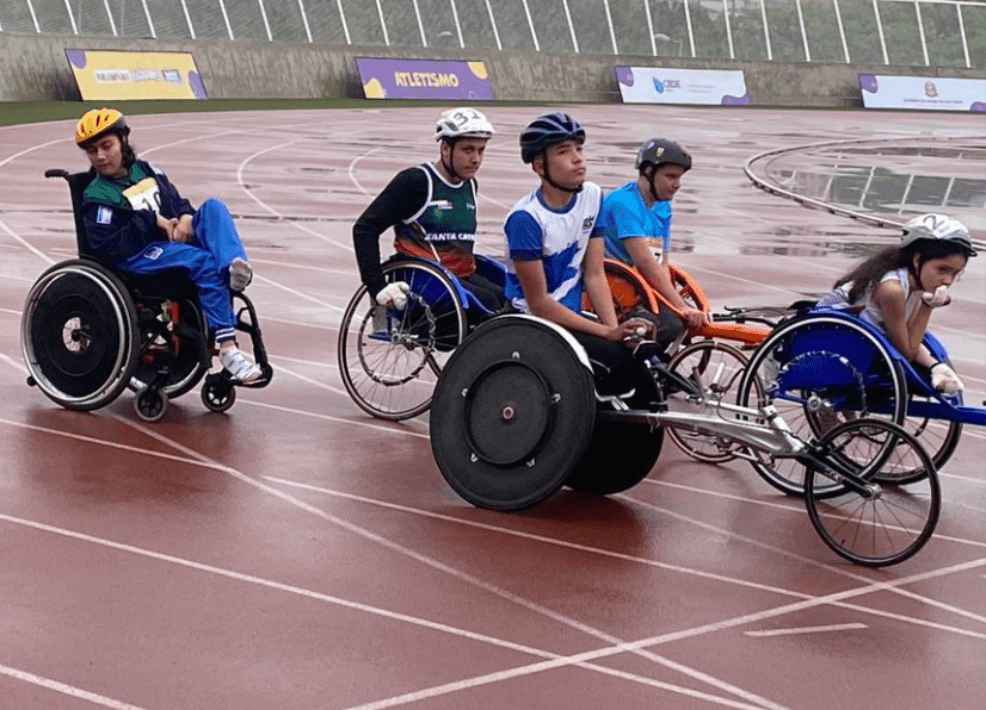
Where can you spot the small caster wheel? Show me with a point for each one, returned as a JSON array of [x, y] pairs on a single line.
[[150, 404], [218, 396]]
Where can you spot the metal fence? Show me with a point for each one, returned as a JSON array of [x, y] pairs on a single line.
[[897, 32]]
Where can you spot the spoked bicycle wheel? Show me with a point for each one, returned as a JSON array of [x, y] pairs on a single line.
[[873, 520], [390, 358], [716, 368], [819, 372]]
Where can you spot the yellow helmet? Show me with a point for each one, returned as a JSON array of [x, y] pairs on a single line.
[[95, 123]]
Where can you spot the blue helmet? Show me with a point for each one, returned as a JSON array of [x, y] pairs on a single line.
[[547, 130]]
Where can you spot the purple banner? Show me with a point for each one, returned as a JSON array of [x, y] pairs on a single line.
[[384, 78]]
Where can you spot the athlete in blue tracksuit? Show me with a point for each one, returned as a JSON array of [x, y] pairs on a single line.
[[135, 220]]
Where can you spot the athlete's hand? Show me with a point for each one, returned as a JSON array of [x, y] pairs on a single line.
[[166, 225], [634, 330], [183, 229], [939, 298], [394, 295], [695, 319], [944, 379]]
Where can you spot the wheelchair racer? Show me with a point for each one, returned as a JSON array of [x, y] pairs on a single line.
[[432, 208], [898, 288], [554, 245], [135, 220], [638, 219]]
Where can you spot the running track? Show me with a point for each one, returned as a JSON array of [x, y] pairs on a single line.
[[294, 553]]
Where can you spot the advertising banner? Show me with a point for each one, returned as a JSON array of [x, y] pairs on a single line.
[[923, 92], [659, 85], [384, 78], [124, 76]]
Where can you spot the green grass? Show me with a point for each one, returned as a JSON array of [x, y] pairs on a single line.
[[15, 112]]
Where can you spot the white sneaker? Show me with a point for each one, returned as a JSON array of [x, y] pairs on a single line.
[[240, 274], [238, 364]]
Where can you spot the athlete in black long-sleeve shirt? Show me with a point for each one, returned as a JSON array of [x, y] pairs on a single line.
[[432, 208]]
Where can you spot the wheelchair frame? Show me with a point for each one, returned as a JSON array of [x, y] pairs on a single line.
[[514, 413], [161, 342], [390, 358]]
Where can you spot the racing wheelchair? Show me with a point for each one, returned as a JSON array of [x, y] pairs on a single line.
[[390, 358], [829, 366], [516, 417], [88, 333]]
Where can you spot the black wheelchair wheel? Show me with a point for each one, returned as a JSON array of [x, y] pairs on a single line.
[[150, 404], [218, 393], [716, 369], [79, 335], [177, 353], [620, 454], [819, 371], [512, 413], [390, 358], [884, 521]]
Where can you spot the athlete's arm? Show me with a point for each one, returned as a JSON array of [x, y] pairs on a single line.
[[402, 198], [113, 234], [659, 276], [905, 334]]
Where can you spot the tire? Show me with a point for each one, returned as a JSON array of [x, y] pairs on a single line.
[[819, 371], [889, 521], [390, 359]]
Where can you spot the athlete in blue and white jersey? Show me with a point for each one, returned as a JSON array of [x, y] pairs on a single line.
[[638, 218], [554, 248]]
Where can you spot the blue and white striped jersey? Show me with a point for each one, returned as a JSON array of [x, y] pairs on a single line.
[[558, 237]]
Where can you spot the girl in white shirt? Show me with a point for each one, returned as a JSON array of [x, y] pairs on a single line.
[[898, 288]]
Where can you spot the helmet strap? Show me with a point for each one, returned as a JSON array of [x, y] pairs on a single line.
[[548, 179], [450, 165], [650, 182]]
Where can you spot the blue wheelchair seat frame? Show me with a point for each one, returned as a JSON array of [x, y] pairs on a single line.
[[937, 405]]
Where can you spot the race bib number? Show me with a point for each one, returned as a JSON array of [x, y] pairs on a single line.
[[145, 195]]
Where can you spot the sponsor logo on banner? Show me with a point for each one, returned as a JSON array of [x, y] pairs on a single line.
[[122, 75], [920, 92], [384, 78], [655, 85]]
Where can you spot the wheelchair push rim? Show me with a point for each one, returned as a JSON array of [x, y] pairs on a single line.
[[389, 358], [79, 335]]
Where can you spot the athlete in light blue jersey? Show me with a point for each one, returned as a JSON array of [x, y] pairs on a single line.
[[554, 248], [638, 228]]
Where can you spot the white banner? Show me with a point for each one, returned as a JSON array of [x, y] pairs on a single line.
[[923, 92], [660, 85]]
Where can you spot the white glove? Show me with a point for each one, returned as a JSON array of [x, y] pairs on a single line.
[[938, 298], [944, 379], [394, 294]]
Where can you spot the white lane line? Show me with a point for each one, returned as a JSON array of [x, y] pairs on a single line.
[[622, 556], [65, 689], [806, 630], [652, 641], [790, 507], [242, 184], [17, 365], [453, 572], [933, 603]]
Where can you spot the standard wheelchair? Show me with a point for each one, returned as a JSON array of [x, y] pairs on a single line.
[[88, 333], [829, 366], [390, 358], [516, 417]]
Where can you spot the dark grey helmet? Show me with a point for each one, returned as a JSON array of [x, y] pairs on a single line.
[[658, 151]]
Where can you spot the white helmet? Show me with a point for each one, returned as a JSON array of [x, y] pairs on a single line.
[[936, 227], [463, 122]]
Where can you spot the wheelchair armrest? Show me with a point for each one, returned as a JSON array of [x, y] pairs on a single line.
[[56, 172]]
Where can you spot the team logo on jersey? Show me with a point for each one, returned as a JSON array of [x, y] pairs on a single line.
[[104, 215], [153, 253], [587, 223]]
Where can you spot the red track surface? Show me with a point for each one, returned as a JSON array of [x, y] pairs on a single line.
[[294, 553]]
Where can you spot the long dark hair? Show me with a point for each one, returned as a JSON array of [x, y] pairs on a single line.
[[868, 273]]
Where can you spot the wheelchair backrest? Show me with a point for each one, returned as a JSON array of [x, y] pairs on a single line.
[[77, 183]]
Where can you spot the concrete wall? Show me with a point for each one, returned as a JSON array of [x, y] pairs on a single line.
[[34, 67]]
